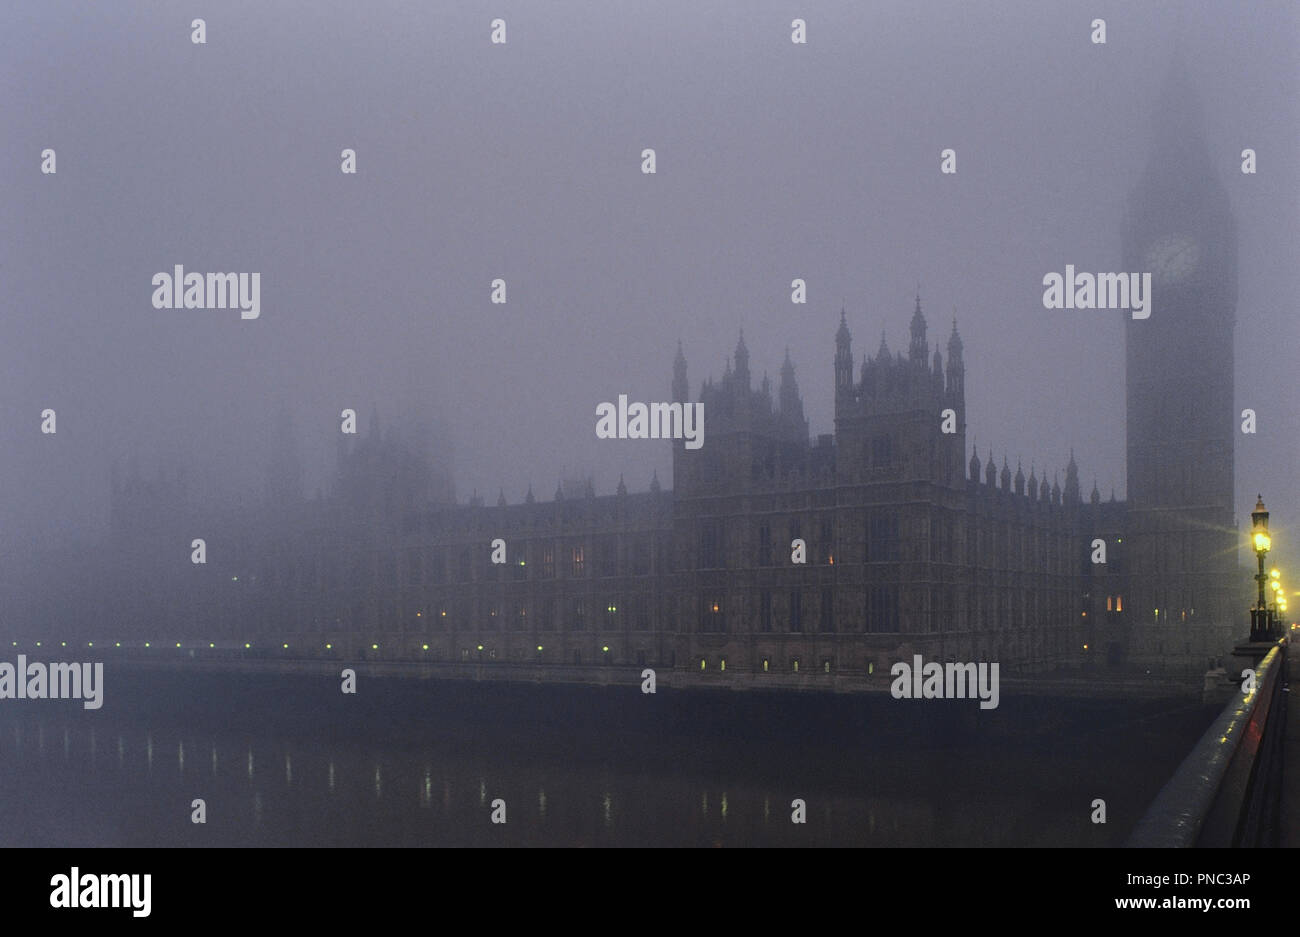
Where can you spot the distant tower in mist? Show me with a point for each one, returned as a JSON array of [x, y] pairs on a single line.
[[284, 473], [1179, 373]]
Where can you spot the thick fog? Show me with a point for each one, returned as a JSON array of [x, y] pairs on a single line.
[[523, 162]]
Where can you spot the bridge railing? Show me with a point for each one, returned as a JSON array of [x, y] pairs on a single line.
[[1223, 794]]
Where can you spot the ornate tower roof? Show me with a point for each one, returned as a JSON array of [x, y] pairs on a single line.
[[919, 350], [842, 337]]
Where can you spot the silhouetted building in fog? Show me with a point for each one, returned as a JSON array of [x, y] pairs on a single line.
[[912, 543]]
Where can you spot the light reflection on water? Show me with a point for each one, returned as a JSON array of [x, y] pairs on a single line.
[[359, 793]]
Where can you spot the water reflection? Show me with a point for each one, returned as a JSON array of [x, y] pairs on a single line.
[[902, 799]]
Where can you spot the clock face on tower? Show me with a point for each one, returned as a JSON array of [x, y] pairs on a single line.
[[1171, 259]]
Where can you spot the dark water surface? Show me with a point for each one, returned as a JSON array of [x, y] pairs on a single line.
[[290, 761]]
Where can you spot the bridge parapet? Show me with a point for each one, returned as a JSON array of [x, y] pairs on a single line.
[[1227, 790]]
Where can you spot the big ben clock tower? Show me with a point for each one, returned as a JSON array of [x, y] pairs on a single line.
[[1181, 547]]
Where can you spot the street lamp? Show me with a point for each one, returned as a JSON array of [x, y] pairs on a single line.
[[1260, 623]]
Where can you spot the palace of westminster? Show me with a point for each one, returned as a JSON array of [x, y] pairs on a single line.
[[914, 543]]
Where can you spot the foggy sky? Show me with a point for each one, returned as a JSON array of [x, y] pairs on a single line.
[[522, 161]]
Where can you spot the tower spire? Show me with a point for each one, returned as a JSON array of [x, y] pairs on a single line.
[[919, 350]]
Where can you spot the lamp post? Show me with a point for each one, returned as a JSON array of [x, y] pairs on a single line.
[[1260, 624]]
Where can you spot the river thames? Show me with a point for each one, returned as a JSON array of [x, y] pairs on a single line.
[[287, 760]]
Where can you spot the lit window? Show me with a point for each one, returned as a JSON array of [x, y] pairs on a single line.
[[722, 664], [1119, 603], [1110, 603], [765, 664], [826, 666], [796, 665], [702, 663], [871, 666]]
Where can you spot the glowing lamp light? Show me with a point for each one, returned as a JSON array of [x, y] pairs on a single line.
[[374, 647], [1274, 574], [539, 647], [146, 644], [605, 649], [480, 647], [426, 647], [247, 645], [1262, 543], [329, 647]]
